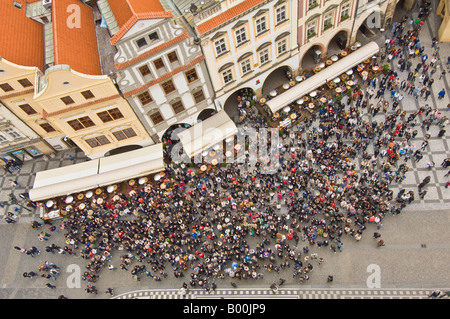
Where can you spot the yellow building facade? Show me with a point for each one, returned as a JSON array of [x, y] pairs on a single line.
[[89, 110], [444, 13]]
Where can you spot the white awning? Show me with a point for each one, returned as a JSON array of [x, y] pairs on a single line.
[[64, 180], [137, 163], [206, 134], [97, 173], [325, 75]]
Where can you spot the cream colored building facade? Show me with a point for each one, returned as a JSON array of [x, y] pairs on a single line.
[[243, 42], [89, 110], [322, 24], [444, 12]]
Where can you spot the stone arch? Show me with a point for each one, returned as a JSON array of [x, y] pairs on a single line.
[[307, 59]]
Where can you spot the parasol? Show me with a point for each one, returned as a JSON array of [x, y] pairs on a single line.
[[89, 194], [69, 199]]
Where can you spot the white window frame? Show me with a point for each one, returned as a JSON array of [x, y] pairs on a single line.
[[264, 56], [220, 46], [227, 76], [345, 8], [246, 66], [241, 36], [311, 3], [261, 24], [309, 27], [328, 16], [280, 14], [3, 139], [283, 45], [13, 133]]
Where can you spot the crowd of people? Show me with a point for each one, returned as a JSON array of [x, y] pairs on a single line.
[[331, 181]]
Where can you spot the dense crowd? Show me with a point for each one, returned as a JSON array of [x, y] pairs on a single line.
[[332, 181]]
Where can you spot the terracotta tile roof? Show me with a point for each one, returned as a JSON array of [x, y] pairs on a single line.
[[21, 39], [128, 12], [227, 15], [75, 46], [164, 77], [152, 51]]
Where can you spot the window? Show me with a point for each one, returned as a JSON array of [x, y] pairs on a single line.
[[145, 98], [312, 4], [280, 14], [220, 46], [156, 118], [241, 36], [261, 25], [145, 70], [25, 83], [13, 133], [264, 56], [168, 87], [124, 134], [87, 94], [153, 36], [81, 123], [97, 141], [6, 87], [47, 127], [141, 42], [178, 107], [328, 21], [173, 57], [246, 67], [67, 100], [281, 46], [3, 139], [345, 11], [191, 75], [110, 115], [199, 96], [27, 109], [311, 30], [159, 64], [227, 76]]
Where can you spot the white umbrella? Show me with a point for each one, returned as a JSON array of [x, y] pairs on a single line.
[[216, 147], [69, 199], [157, 177], [337, 80], [334, 58], [89, 194], [286, 86], [321, 65], [313, 94], [286, 109], [298, 78], [273, 93], [110, 189], [50, 203], [300, 101], [349, 72]]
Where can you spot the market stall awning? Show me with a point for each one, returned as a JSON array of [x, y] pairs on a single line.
[[206, 134], [96, 173], [325, 75], [64, 180], [133, 164]]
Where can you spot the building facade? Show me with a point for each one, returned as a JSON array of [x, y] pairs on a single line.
[[160, 70], [244, 42], [444, 13], [63, 79], [325, 27]]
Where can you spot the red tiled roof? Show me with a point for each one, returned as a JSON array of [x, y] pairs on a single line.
[[227, 15], [21, 39], [73, 45], [152, 51], [128, 12], [164, 77]]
